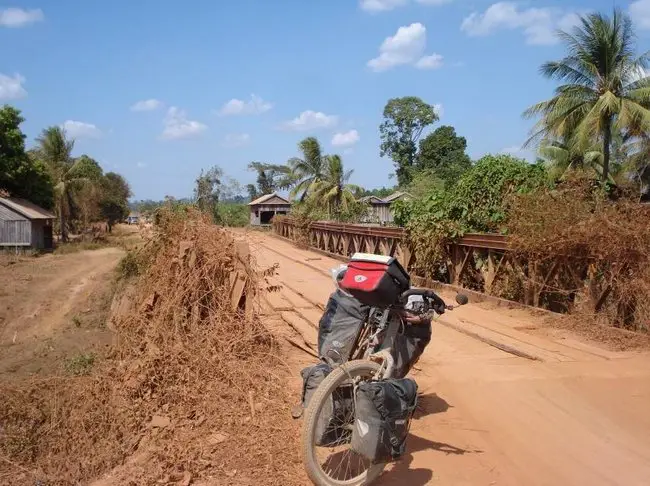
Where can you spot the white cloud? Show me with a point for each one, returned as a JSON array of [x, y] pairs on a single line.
[[147, 105], [11, 87], [141, 165], [538, 24], [434, 61], [434, 3], [17, 17], [640, 13], [439, 109], [381, 5], [345, 139], [177, 125], [405, 47], [78, 129], [254, 106], [311, 120], [234, 140]]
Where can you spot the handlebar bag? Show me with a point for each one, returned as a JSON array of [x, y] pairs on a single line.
[[375, 280], [383, 413]]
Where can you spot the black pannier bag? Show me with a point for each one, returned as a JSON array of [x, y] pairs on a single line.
[[375, 280], [339, 326], [312, 377], [337, 412], [410, 342], [382, 418]]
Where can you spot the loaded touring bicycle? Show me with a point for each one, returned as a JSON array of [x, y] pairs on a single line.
[[357, 401]]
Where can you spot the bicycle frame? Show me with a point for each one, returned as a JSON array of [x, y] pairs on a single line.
[[379, 350]]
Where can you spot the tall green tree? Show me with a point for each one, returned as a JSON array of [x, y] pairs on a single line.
[[88, 168], [55, 149], [207, 189], [605, 86], [307, 170], [404, 120], [87, 197], [333, 190], [21, 173], [115, 193], [442, 153]]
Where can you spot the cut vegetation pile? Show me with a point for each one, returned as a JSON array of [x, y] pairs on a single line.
[[192, 392]]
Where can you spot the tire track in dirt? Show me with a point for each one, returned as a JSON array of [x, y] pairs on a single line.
[[56, 286]]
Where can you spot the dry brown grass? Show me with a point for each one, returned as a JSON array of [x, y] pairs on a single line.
[[605, 243], [191, 385]]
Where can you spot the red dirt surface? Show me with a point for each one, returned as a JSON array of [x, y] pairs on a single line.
[[576, 414]]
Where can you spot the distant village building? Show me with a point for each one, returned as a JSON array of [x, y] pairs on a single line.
[[24, 225], [380, 208], [133, 218], [264, 208]]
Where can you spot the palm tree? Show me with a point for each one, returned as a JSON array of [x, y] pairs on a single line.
[[637, 165], [308, 170], [55, 149], [606, 87], [332, 189], [270, 177], [560, 157]]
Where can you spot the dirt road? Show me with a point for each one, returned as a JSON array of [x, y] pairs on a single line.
[[43, 298], [559, 411]]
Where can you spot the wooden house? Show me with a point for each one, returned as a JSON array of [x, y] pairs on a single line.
[[24, 225], [380, 211], [264, 208]]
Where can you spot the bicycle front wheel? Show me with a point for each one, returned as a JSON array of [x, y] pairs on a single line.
[[326, 452]]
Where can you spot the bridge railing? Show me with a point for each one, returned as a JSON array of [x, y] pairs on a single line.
[[482, 262]]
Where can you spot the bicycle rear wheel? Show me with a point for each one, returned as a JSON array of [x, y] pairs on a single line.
[[342, 466]]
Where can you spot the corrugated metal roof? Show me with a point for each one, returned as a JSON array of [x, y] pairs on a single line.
[[7, 214], [26, 208], [396, 195], [373, 200], [267, 197]]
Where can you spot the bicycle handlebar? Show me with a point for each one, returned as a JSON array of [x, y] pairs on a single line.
[[439, 305], [426, 293]]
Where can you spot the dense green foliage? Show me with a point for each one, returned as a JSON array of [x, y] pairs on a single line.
[[21, 174], [234, 215], [82, 191], [48, 175], [442, 155], [115, 193], [478, 202]]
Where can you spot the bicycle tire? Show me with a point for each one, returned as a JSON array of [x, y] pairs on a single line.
[[326, 388]]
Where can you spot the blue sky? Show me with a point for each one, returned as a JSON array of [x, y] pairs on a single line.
[[157, 90]]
